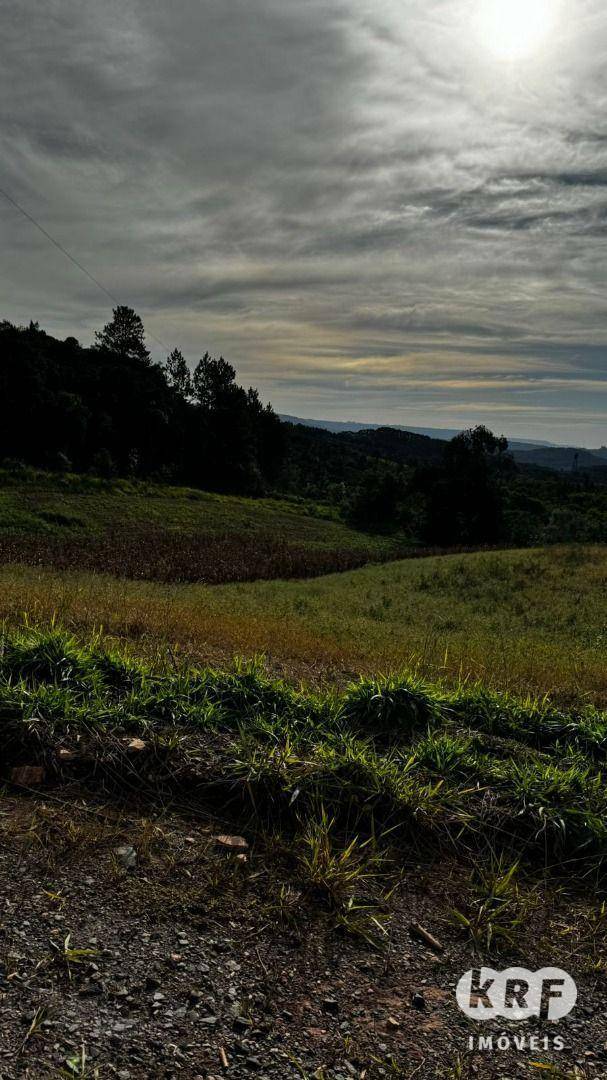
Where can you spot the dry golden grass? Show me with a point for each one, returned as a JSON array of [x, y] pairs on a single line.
[[525, 621]]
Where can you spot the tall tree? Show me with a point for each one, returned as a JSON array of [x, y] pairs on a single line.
[[465, 501], [214, 382], [178, 374], [124, 335]]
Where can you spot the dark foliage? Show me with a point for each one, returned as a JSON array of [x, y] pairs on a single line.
[[322, 464], [376, 502], [465, 496], [124, 335], [110, 411]]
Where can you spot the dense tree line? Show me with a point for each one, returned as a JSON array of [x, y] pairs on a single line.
[[109, 409], [474, 494]]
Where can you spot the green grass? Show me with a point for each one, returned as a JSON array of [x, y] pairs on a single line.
[[526, 622], [469, 772], [139, 531], [47, 504]]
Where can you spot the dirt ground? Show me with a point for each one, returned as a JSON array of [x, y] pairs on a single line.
[[194, 962]]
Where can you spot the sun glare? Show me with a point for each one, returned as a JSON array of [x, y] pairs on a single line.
[[514, 29]]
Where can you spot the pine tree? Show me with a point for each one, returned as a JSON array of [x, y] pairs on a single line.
[[124, 335], [213, 382], [178, 374]]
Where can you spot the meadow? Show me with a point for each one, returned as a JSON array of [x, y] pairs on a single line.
[[138, 530], [531, 622]]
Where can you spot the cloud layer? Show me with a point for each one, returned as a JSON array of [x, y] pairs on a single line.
[[356, 203]]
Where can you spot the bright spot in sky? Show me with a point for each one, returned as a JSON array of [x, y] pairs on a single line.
[[514, 29]]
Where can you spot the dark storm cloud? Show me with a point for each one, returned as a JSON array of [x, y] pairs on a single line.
[[354, 202]]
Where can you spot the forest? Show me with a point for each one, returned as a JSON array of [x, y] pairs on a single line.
[[110, 411]]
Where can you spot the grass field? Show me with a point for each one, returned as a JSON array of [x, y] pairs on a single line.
[[46, 504], [529, 622], [152, 532], [461, 793]]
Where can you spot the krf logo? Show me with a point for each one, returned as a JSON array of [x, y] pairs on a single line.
[[516, 994]]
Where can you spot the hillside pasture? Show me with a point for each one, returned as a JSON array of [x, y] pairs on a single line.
[[530, 622], [157, 533]]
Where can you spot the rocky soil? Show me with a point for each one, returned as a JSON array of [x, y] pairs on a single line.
[[134, 944]]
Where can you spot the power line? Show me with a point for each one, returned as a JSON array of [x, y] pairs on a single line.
[[69, 256], [58, 245]]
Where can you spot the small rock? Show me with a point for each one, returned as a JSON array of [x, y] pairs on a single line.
[[242, 1023], [418, 1001], [330, 1005], [127, 856], [392, 1023], [65, 756]]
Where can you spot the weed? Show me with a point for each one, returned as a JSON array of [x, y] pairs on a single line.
[[330, 869], [461, 768], [344, 876], [557, 1073], [392, 703], [460, 1069], [285, 905], [55, 836], [497, 909], [37, 1021], [67, 956], [77, 1066]]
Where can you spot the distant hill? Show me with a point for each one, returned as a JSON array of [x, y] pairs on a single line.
[[319, 461], [562, 458], [442, 434], [531, 452]]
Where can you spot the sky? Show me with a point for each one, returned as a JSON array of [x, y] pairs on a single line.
[[392, 212]]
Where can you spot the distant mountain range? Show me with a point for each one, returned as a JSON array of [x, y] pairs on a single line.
[[430, 432], [535, 452]]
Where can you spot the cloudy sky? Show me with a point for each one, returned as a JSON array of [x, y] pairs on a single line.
[[391, 211]]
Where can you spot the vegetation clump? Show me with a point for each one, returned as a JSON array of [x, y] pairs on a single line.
[[462, 769]]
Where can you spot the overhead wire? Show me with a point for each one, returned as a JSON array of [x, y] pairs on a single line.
[[30, 217]]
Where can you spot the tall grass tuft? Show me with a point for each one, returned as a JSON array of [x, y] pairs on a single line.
[[466, 769]]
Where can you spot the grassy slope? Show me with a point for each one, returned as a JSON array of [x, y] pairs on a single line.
[[393, 754], [80, 506], [160, 533], [526, 621]]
